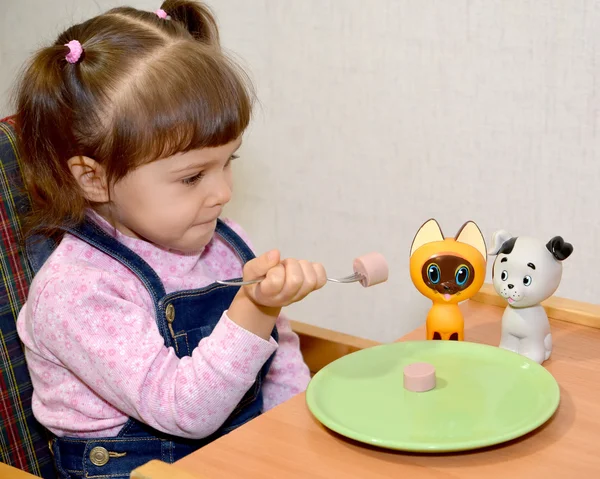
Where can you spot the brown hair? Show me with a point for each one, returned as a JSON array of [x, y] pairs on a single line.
[[144, 88]]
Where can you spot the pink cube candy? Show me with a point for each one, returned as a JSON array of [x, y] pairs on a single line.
[[373, 268]]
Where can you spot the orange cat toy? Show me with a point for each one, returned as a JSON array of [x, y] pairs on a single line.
[[447, 271]]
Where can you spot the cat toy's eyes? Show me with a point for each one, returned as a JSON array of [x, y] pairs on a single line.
[[433, 273], [504, 275], [527, 280], [462, 275]]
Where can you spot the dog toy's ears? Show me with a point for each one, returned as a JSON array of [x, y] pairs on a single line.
[[498, 239], [559, 249], [429, 232]]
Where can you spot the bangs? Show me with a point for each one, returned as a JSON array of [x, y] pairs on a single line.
[[190, 96]]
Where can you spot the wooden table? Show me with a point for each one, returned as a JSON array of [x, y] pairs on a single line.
[[288, 442], [9, 472]]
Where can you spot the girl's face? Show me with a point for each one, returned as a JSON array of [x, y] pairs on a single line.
[[175, 202]]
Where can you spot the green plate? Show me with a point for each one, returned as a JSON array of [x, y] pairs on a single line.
[[484, 396]]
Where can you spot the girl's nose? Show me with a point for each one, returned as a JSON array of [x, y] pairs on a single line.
[[220, 190]]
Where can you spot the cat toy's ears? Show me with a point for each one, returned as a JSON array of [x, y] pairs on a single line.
[[470, 234], [499, 238], [429, 232], [559, 249]]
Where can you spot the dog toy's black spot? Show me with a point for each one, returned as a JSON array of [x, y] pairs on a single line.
[[531, 265], [504, 260], [559, 248], [508, 246]]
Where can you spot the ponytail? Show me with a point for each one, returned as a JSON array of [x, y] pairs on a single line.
[[196, 19], [44, 114]]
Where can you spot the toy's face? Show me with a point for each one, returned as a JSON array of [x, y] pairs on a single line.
[[448, 270], [448, 274], [525, 273]]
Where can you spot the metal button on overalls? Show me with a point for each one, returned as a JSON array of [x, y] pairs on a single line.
[[99, 456], [170, 313]]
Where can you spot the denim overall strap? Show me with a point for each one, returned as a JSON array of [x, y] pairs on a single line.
[[234, 240], [94, 235]]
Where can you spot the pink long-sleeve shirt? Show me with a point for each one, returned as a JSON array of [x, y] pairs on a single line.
[[96, 356]]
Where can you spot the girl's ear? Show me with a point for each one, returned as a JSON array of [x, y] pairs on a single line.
[[91, 178]]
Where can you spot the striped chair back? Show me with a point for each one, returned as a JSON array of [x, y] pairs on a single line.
[[23, 441]]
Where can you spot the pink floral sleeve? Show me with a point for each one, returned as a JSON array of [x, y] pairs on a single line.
[[288, 374]]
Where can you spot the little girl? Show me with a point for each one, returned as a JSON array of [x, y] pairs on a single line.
[[128, 125]]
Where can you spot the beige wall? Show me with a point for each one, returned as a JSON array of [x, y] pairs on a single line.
[[376, 115]]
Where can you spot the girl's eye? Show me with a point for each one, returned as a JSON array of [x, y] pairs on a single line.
[[192, 180], [231, 158]]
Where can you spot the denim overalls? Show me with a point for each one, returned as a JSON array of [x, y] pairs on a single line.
[[183, 319]]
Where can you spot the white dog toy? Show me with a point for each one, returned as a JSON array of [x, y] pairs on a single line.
[[526, 272]]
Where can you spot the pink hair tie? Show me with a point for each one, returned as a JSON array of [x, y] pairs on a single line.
[[75, 51], [160, 13]]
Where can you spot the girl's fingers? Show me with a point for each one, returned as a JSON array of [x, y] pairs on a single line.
[[288, 282], [272, 285], [309, 283], [321, 275], [294, 279]]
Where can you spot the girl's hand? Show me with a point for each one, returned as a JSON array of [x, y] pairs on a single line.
[[286, 281], [257, 306]]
